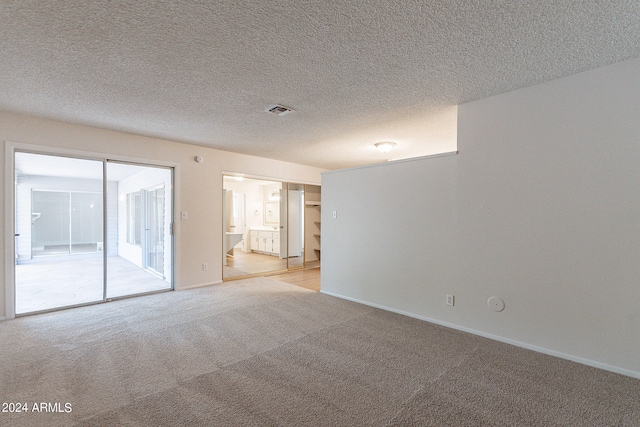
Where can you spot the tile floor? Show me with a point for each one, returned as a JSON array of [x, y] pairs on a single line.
[[51, 282]]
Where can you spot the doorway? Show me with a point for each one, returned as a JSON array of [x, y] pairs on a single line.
[[88, 230], [265, 227]]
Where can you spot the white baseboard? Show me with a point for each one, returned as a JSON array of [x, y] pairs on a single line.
[[543, 350], [199, 285]]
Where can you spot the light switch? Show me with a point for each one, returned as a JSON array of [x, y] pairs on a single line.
[[184, 215]]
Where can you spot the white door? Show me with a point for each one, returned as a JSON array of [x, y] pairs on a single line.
[[238, 212]]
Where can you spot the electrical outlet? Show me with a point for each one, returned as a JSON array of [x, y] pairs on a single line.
[[205, 267], [451, 300]]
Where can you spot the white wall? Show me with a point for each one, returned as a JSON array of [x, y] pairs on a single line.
[[541, 207], [254, 200], [198, 187]]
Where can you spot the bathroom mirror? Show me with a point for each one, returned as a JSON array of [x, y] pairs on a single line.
[[271, 213]]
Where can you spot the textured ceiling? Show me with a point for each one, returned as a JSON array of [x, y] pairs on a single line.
[[355, 71]]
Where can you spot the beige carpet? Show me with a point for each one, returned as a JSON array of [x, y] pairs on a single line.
[[259, 352]]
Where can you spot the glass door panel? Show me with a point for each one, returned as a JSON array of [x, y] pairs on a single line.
[[140, 245], [57, 232]]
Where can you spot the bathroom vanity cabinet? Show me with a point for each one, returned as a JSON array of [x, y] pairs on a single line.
[[266, 242]]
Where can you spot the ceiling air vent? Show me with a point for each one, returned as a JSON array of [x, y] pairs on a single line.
[[279, 110]]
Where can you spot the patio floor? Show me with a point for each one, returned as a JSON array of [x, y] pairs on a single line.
[[59, 281]]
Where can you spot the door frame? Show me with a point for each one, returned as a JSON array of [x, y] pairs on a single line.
[[10, 205]]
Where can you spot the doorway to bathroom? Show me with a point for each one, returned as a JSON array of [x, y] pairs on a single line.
[[266, 226]]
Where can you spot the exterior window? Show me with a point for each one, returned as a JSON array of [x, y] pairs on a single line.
[[133, 218]]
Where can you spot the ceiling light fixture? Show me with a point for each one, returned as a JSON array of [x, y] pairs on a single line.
[[385, 147]]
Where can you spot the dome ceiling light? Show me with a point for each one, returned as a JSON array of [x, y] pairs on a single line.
[[385, 147]]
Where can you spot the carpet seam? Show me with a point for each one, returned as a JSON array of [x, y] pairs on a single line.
[[430, 382], [298, 338]]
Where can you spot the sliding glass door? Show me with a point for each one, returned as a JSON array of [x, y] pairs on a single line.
[[89, 230]]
